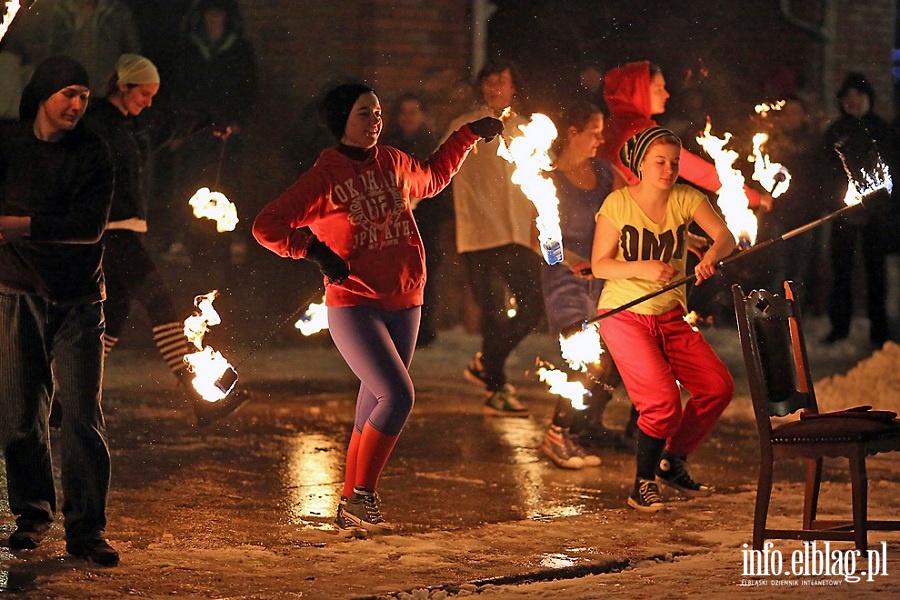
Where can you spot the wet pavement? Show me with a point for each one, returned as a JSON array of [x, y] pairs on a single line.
[[243, 508]]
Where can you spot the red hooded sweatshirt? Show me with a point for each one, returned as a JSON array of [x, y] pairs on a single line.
[[361, 210], [627, 94]]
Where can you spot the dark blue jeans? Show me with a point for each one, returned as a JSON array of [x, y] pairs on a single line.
[[53, 350]]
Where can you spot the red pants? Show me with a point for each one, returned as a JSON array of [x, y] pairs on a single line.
[[656, 353]]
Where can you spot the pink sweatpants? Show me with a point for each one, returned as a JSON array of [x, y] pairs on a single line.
[[656, 353]]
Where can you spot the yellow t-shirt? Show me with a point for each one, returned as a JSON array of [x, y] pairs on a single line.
[[642, 239]]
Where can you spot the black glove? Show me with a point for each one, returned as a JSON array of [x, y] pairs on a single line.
[[487, 127], [333, 267]]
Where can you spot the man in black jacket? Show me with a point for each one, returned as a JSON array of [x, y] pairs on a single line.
[[55, 191]]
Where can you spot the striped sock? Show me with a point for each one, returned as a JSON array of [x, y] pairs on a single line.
[[108, 343], [172, 344]]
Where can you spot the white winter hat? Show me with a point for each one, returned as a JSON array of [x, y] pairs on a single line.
[[134, 69]]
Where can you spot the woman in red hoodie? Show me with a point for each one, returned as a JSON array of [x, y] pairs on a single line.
[[350, 214], [634, 93]]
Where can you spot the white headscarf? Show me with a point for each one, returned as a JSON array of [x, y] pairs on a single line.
[[134, 69]]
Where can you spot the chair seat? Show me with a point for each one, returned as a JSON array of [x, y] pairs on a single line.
[[837, 430]]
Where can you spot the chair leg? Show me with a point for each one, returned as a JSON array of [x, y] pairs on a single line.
[[763, 494], [811, 497], [859, 483]]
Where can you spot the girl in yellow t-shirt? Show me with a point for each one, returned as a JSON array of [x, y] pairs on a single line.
[[640, 246]]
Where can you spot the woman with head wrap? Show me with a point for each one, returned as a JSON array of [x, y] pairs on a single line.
[[351, 215], [639, 246], [55, 189], [133, 135]]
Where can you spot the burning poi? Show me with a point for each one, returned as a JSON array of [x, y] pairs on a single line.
[[314, 320], [214, 376], [216, 206]]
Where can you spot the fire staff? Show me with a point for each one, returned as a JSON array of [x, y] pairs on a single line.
[[374, 280]]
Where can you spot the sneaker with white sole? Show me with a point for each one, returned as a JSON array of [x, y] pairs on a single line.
[[504, 403], [645, 496], [361, 510], [557, 449], [672, 471], [343, 525], [576, 449]]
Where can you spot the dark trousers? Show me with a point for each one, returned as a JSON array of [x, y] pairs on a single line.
[[132, 275], [54, 350], [492, 272], [844, 236]]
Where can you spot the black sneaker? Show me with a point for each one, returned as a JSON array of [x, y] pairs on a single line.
[[27, 536], [343, 525], [361, 510], [672, 471], [209, 412], [645, 496], [95, 550]]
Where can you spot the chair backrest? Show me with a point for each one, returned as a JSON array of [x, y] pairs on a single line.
[[771, 335]]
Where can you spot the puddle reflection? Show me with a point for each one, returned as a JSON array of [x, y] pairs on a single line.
[[314, 468], [523, 437]]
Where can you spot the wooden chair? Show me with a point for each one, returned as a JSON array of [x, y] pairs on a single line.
[[771, 335]]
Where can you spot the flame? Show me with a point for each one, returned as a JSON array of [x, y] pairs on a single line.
[[765, 108], [561, 386], [732, 200], [581, 349], [314, 320], [529, 153], [208, 365], [867, 183], [215, 206], [773, 176], [12, 7]]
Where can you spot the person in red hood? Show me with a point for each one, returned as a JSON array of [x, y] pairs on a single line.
[[634, 93], [350, 214]]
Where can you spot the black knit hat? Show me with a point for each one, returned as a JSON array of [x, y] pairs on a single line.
[[52, 75], [858, 82], [338, 103], [632, 153]]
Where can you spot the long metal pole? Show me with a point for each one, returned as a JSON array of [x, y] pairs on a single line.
[[577, 327]]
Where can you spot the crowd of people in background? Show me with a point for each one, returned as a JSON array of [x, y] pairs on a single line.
[[477, 229]]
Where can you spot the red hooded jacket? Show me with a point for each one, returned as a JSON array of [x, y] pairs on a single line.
[[627, 94], [361, 210]]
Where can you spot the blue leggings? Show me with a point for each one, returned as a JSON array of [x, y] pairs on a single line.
[[378, 347]]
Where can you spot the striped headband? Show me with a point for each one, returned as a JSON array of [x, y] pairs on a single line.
[[632, 153]]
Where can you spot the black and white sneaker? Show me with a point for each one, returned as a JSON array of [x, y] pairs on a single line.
[[672, 471], [361, 510], [645, 496], [343, 526]]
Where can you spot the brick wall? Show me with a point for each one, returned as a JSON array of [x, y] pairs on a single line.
[[303, 46], [863, 40]]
